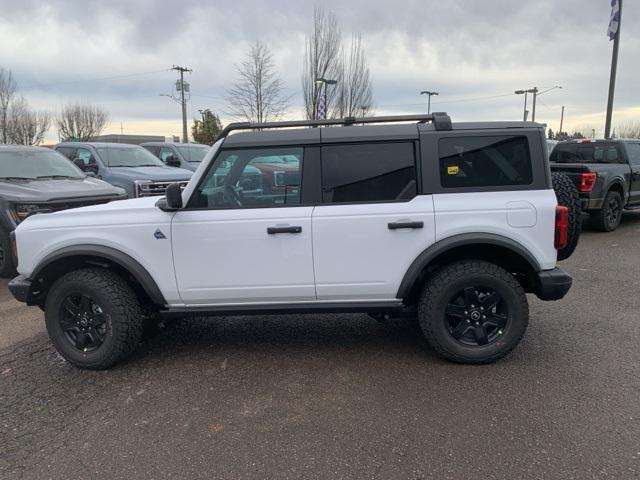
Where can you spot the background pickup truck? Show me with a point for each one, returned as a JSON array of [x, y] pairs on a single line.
[[607, 174]]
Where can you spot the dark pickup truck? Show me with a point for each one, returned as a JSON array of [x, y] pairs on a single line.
[[607, 174]]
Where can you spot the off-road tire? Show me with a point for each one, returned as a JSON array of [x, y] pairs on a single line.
[[444, 284], [601, 219], [568, 196], [124, 318], [7, 262]]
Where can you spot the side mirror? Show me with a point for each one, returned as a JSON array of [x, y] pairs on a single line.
[[173, 198], [78, 162], [172, 161]]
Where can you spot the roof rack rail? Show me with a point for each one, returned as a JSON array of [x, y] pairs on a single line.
[[440, 120]]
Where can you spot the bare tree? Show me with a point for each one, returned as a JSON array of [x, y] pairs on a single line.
[[322, 59], [81, 121], [8, 90], [356, 95], [258, 92], [24, 125], [628, 130]]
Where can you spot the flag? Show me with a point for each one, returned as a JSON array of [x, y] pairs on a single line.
[[321, 109], [614, 21]]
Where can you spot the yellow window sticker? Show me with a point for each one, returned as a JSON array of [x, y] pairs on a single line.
[[453, 170]]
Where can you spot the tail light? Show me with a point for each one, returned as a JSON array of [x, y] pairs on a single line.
[[562, 227], [587, 181]]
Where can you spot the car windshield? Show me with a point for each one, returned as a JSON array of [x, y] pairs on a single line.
[[128, 157], [193, 153], [36, 165]]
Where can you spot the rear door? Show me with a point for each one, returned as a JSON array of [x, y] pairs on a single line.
[[633, 153], [372, 221]]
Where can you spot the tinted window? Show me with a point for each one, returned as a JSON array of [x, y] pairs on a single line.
[[484, 161], [86, 156], [165, 153], [565, 153], [66, 151], [368, 172], [242, 179], [634, 152], [193, 153], [598, 153]]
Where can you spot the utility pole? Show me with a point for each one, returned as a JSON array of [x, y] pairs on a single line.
[[612, 77], [561, 119], [183, 102], [533, 108]]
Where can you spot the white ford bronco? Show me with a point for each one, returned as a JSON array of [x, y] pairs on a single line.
[[415, 216]]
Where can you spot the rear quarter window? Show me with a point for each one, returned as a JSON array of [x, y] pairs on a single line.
[[484, 161]]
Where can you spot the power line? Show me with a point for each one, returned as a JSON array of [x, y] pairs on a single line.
[[113, 77]]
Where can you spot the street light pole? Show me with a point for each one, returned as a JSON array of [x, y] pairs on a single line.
[[429, 95], [323, 81]]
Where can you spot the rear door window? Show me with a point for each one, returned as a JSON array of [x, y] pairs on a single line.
[[633, 149], [484, 161], [368, 172]]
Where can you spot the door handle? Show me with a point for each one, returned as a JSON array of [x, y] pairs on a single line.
[[283, 229], [407, 224]]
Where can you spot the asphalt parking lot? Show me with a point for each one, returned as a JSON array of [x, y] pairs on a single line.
[[340, 396]]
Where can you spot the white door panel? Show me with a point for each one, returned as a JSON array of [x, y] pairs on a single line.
[[357, 256], [227, 256], [510, 214]]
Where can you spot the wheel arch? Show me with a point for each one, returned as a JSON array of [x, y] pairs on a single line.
[[66, 259], [497, 249], [618, 186]]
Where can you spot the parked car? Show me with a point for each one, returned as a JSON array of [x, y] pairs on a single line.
[[449, 224], [183, 155], [36, 180], [606, 173], [131, 167]]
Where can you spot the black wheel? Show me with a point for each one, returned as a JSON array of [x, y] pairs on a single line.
[[7, 262], [609, 216], [93, 318], [473, 312], [568, 196]]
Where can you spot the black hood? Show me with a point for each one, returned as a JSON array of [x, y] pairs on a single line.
[[38, 191]]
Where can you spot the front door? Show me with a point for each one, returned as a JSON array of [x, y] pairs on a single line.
[[633, 151], [237, 242]]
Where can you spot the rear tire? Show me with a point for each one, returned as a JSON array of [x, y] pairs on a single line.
[[608, 218], [93, 318], [7, 262], [568, 196], [473, 312]]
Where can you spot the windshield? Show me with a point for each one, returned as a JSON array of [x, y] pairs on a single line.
[[128, 157], [193, 153], [36, 164]]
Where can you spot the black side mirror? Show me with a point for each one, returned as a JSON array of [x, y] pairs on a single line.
[[173, 197], [78, 162], [172, 161]]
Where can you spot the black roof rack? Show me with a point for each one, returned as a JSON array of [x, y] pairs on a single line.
[[440, 120]]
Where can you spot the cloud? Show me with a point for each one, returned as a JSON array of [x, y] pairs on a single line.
[[117, 54]]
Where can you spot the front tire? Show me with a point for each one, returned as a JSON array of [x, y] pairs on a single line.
[[473, 312], [608, 218], [93, 318]]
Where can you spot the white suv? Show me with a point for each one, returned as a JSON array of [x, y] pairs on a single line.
[[449, 223]]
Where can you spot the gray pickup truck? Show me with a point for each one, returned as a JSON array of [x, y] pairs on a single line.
[[606, 173], [131, 167], [183, 155], [37, 180]]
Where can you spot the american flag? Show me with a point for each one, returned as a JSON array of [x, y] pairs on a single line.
[[321, 109], [614, 21]]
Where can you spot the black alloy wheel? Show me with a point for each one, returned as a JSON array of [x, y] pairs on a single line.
[[83, 322], [613, 211], [476, 316]]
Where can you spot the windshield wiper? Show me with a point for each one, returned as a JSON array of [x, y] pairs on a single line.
[[17, 178], [136, 166], [56, 176]]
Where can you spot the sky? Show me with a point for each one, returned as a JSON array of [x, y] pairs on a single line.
[[475, 53]]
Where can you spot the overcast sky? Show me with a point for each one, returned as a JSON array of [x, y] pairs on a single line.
[[117, 54]]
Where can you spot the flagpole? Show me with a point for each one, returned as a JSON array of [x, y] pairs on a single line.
[[612, 78]]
